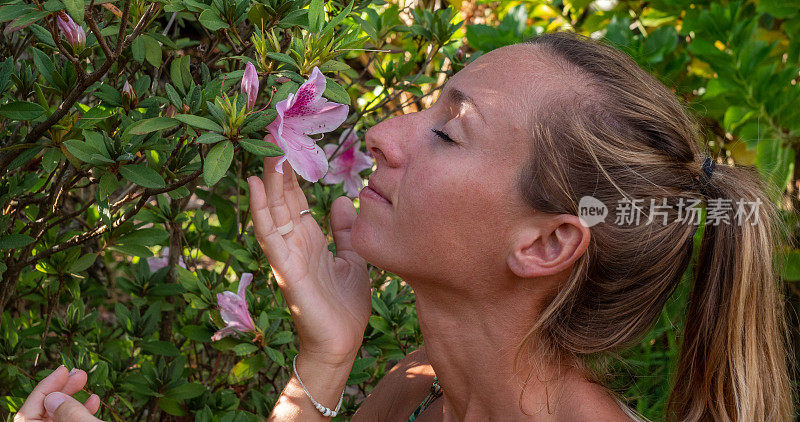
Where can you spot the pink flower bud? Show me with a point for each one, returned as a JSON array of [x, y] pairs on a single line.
[[128, 95], [250, 84], [73, 32]]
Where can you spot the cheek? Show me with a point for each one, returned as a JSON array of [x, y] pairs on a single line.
[[452, 212]]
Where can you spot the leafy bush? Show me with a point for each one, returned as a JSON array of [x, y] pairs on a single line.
[[123, 131]]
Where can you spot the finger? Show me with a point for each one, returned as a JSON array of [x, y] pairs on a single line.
[[266, 233], [92, 404], [76, 381], [295, 198], [276, 201], [343, 215], [54, 382], [64, 408]]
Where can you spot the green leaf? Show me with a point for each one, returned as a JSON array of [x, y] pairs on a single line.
[[260, 148], [173, 95], [316, 15], [15, 241], [186, 391], [75, 8], [45, 66], [149, 236], [171, 406], [83, 263], [211, 20], [108, 184], [25, 20], [180, 73], [146, 126], [197, 332], [161, 348], [217, 162], [283, 58], [377, 322], [335, 92], [334, 66], [138, 49], [275, 355], [258, 122], [247, 368], [13, 11], [790, 270], [21, 110], [210, 138], [779, 8], [81, 150], [242, 349], [282, 337], [133, 250], [152, 50], [338, 19], [198, 122], [142, 176]]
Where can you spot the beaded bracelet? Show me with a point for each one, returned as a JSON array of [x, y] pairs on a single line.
[[324, 410]]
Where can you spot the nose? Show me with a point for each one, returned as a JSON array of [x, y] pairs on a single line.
[[387, 140]]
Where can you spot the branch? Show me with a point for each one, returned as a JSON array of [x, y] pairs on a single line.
[[89, 18], [123, 23], [84, 237]]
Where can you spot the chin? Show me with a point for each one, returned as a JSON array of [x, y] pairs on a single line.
[[366, 242]]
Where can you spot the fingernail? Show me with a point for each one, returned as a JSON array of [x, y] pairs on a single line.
[[52, 401], [73, 371]]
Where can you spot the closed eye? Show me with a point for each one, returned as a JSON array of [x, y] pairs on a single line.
[[445, 137]]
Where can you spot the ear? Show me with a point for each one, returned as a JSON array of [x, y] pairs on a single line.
[[549, 247]]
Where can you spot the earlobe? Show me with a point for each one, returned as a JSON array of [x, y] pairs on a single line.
[[549, 249]]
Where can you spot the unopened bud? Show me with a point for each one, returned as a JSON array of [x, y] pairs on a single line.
[[170, 111], [128, 96], [250, 84], [73, 32]]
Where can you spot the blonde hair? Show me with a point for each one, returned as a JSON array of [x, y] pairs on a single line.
[[614, 131]]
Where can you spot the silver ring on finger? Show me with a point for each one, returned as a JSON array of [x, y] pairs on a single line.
[[286, 228], [305, 211]]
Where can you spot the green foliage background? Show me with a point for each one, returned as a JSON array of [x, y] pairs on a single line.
[[94, 180]]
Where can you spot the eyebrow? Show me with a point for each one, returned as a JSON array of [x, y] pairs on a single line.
[[459, 97]]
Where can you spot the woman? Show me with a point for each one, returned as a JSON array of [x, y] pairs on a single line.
[[474, 204]]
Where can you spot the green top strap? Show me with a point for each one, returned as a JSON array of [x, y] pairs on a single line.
[[435, 392]]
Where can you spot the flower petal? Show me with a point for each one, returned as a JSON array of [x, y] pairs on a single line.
[[353, 184], [321, 117], [244, 281], [310, 164], [309, 93]]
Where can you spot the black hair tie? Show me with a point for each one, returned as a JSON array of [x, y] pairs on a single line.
[[708, 167], [708, 170]]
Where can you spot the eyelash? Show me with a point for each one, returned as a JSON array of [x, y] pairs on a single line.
[[445, 137]]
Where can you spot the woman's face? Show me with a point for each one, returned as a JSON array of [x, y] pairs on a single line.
[[453, 204]]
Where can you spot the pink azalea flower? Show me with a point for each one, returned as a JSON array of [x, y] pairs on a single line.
[[299, 115], [158, 262], [347, 165], [250, 84], [233, 309], [73, 32]]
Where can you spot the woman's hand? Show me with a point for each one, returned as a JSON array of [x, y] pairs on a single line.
[[51, 399], [328, 297]]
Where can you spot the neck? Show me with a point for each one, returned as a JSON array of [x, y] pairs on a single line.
[[470, 341]]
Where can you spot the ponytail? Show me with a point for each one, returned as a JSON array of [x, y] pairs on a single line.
[[733, 362]]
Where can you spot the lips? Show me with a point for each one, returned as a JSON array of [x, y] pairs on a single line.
[[378, 190]]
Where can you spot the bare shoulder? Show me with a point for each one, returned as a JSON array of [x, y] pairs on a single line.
[[589, 401], [400, 391]]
